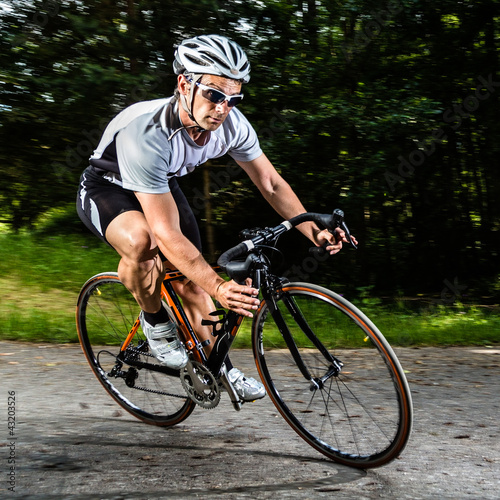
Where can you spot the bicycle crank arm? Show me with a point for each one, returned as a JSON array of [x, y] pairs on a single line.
[[224, 379]]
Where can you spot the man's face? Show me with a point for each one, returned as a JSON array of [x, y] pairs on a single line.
[[208, 114]]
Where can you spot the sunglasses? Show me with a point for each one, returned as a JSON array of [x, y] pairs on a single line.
[[216, 96]]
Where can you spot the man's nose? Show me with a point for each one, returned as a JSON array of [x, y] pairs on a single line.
[[222, 107]]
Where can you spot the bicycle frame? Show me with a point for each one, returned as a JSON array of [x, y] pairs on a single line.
[[357, 411], [231, 323]]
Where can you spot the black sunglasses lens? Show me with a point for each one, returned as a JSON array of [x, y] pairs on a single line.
[[217, 97], [234, 101], [213, 96]]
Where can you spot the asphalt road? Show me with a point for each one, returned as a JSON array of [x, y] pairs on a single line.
[[70, 439]]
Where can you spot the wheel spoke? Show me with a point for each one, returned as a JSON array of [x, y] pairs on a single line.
[[356, 413], [105, 315]]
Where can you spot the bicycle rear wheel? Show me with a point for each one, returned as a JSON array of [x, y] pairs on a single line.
[[106, 312], [360, 416]]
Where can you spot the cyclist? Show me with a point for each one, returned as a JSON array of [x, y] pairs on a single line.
[[129, 195]]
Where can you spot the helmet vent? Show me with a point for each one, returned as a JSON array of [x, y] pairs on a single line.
[[196, 60], [213, 55]]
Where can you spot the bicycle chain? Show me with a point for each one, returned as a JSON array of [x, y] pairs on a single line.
[[154, 391], [136, 350], [200, 399]]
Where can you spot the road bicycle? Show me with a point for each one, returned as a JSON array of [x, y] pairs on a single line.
[[327, 368]]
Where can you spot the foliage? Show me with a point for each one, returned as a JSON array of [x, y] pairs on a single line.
[[40, 281], [387, 109]]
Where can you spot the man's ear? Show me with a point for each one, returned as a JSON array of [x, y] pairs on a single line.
[[183, 85]]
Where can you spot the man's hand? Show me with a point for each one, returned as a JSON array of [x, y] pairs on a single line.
[[241, 299], [334, 242]]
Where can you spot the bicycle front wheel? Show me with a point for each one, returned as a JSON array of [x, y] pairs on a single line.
[[106, 312], [333, 376]]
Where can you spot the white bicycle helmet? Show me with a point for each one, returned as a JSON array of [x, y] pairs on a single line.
[[213, 55], [208, 55]]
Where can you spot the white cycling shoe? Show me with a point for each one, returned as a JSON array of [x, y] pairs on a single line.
[[164, 344], [248, 389]]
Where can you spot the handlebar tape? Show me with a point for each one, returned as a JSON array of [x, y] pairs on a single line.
[[240, 249], [325, 220]]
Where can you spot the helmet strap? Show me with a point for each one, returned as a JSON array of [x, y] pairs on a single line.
[[188, 106]]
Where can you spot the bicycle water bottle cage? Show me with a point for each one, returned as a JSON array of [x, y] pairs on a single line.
[[216, 325]]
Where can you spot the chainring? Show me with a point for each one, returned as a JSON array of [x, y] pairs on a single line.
[[200, 385]]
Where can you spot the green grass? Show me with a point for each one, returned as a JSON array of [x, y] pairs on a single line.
[[438, 325], [41, 275], [433, 325]]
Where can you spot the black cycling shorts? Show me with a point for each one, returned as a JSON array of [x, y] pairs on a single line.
[[99, 201]]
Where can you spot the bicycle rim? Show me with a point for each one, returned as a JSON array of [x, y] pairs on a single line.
[[105, 313], [361, 417]]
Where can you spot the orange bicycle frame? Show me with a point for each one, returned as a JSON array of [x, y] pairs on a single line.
[[186, 331]]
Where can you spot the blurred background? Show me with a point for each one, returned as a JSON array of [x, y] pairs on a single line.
[[385, 109]]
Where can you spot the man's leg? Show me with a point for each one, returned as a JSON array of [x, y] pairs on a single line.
[[141, 271], [140, 268], [198, 305]]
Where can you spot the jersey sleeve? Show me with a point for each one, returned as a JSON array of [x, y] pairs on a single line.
[[245, 145], [144, 155]]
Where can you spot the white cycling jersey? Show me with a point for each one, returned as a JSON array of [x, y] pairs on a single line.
[[137, 151]]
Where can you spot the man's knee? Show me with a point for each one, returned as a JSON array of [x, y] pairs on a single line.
[[130, 235], [140, 247]]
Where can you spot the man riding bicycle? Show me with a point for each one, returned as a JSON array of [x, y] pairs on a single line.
[[129, 195]]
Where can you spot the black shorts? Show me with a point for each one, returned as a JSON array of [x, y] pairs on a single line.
[[99, 201]]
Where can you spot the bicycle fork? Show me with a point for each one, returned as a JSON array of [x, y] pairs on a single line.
[[335, 365]]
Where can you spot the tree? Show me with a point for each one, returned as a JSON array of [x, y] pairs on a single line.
[[387, 109]]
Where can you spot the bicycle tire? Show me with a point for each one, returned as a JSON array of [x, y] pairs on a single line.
[[361, 417], [105, 313]]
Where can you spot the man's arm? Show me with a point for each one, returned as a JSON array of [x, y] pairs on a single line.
[[162, 216], [282, 198]]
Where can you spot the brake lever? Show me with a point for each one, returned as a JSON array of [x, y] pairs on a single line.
[[348, 235], [337, 221]]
